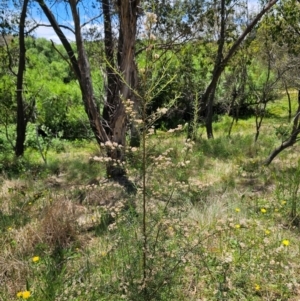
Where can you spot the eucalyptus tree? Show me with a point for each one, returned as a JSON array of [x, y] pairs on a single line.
[[14, 21], [222, 13], [286, 32], [22, 117], [121, 74], [264, 88], [112, 129], [220, 25], [24, 109], [279, 66]]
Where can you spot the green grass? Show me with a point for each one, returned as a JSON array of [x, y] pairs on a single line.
[[219, 224]]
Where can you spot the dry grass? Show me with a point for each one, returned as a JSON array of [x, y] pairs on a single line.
[[192, 198], [13, 271], [11, 189], [58, 224]]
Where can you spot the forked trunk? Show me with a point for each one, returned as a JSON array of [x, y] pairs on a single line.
[[221, 63], [81, 69], [121, 79]]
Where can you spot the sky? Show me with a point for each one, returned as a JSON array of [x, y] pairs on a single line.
[[49, 34], [64, 17]]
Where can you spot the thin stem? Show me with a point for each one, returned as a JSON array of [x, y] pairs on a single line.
[[144, 200]]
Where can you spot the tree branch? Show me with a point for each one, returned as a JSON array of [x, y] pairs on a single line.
[[10, 62], [49, 25], [91, 20], [62, 37]]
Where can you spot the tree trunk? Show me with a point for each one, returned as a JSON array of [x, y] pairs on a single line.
[[127, 81], [259, 116], [122, 79], [289, 100], [235, 114], [86, 84], [21, 115], [121, 82], [220, 63], [62, 37], [81, 69], [128, 15], [209, 97], [291, 140], [112, 85], [209, 117]]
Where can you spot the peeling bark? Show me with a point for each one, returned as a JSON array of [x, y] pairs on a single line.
[[128, 12], [121, 76]]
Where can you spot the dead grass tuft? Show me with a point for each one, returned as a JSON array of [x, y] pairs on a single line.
[[10, 190], [58, 226], [12, 273], [27, 238]]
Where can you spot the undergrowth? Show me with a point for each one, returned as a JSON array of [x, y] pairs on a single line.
[[220, 227]]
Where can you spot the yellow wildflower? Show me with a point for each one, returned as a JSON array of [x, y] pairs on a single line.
[[283, 202], [9, 228], [276, 210], [35, 258], [237, 209], [263, 210], [19, 294], [286, 242], [267, 232], [256, 287], [26, 294], [237, 226]]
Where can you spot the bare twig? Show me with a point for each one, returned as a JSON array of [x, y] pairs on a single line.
[[49, 25], [9, 56]]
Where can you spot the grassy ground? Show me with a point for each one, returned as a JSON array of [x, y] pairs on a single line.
[[219, 224]]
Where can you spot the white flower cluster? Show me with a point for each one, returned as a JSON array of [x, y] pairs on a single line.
[[162, 111], [150, 20], [111, 145], [179, 128], [129, 109]]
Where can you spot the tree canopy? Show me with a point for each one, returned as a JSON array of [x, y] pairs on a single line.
[[222, 58]]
